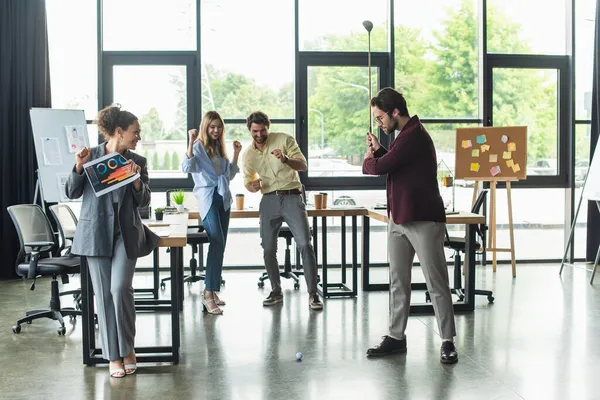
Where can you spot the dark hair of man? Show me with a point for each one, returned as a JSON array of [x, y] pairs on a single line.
[[258, 117], [388, 99], [111, 117]]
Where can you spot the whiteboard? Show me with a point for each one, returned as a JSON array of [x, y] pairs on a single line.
[[55, 156], [591, 190]]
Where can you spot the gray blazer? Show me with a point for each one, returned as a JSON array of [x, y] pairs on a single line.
[[95, 231]]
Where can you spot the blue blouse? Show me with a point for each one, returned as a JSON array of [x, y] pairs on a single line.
[[206, 179]]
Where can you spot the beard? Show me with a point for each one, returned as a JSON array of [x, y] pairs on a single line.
[[260, 139], [392, 126]]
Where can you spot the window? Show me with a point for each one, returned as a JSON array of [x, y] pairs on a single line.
[[527, 27], [149, 24], [72, 43], [336, 25], [437, 57], [247, 58]]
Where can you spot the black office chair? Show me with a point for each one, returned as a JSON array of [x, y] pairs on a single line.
[[458, 244], [37, 239], [196, 238], [66, 221]]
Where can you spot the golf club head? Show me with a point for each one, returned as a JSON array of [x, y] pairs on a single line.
[[368, 25]]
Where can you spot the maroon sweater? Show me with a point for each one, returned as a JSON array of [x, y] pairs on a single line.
[[411, 169]]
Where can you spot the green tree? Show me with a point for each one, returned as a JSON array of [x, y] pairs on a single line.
[[175, 162], [179, 129], [152, 126], [166, 162], [155, 162]]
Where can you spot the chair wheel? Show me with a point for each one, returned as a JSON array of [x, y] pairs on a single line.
[[62, 330], [296, 286], [16, 329], [261, 285], [72, 318], [461, 298], [427, 298], [163, 286], [223, 282], [490, 299]]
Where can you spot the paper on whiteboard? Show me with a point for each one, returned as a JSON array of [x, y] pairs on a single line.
[[61, 181], [108, 173], [75, 137], [51, 151]]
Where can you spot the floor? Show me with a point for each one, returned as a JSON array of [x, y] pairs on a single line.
[[539, 340]]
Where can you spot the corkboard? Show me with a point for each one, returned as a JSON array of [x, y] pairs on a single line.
[[476, 148]]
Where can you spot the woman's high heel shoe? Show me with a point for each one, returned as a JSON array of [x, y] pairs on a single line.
[[210, 306]]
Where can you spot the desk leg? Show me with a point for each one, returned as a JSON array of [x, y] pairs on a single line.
[[343, 233], [354, 254], [324, 252], [87, 313], [366, 233], [470, 248], [156, 272], [315, 226], [176, 298]]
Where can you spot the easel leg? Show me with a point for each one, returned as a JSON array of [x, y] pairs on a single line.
[[511, 230], [493, 223]]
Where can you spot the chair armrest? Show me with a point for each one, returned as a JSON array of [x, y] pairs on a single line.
[[36, 246]]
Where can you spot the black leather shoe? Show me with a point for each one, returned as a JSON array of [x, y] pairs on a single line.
[[448, 353], [388, 346]]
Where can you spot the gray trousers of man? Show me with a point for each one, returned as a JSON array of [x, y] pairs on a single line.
[[426, 238], [290, 209], [112, 280]]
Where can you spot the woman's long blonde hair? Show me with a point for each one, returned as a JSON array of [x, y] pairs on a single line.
[[209, 144]]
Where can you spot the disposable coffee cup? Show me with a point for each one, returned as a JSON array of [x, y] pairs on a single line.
[[318, 201], [239, 201], [324, 200]]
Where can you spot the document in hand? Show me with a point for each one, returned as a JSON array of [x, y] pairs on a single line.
[[108, 173]]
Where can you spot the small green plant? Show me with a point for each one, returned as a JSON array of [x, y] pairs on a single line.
[[159, 210], [178, 197]]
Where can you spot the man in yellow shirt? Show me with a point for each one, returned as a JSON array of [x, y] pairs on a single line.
[[271, 165]]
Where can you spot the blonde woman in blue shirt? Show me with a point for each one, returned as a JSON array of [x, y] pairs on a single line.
[[212, 171]]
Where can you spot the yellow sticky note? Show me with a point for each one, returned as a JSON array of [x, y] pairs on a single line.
[[516, 168], [509, 163], [485, 147], [506, 155], [466, 144], [493, 157], [475, 167], [512, 146], [475, 153]]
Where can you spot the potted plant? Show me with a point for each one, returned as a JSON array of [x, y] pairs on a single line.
[[158, 213], [178, 197]]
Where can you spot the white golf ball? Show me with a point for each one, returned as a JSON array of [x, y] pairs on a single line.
[[299, 356]]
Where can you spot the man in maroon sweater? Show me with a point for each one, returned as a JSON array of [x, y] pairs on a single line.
[[417, 220]]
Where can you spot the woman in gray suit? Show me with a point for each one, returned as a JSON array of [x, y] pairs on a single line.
[[111, 235]]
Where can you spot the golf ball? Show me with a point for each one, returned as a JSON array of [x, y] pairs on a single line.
[[299, 356]]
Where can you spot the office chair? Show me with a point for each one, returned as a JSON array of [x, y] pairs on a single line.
[[36, 238], [66, 221], [196, 238], [288, 273], [458, 244]]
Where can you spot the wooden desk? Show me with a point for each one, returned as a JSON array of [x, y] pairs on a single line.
[[462, 218], [176, 241], [326, 288]]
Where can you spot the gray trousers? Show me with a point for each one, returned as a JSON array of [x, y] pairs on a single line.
[[427, 240], [290, 209], [112, 279]]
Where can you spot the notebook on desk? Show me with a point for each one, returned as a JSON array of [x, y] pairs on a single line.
[[163, 233]]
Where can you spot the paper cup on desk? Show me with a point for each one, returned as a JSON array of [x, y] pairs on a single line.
[[318, 201], [239, 201], [324, 200]]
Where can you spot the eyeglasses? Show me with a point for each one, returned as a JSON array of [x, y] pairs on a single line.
[[378, 119]]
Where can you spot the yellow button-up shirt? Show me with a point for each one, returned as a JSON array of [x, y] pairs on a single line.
[[274, 174]]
